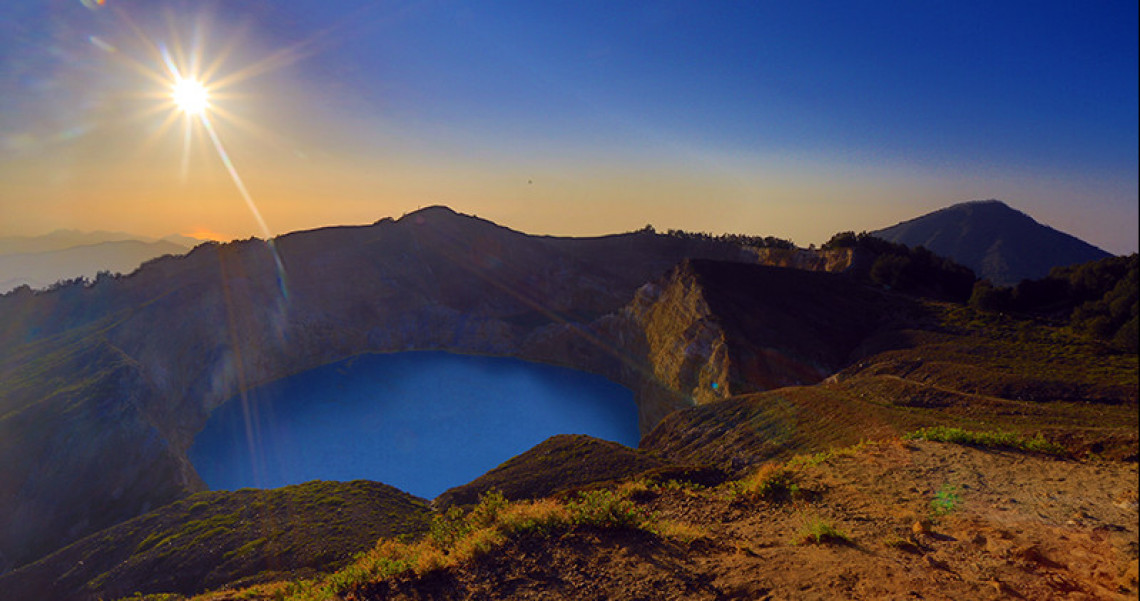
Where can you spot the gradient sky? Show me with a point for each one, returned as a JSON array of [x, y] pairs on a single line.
[[793, 119]]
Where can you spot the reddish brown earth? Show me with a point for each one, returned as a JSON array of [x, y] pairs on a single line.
[[1016, 526]]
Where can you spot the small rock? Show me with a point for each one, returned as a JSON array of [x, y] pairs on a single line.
[[1033, 554], [934, 563], [1131, 576], [997, 548], [921, 527], [1027, 552], [1003, 590]]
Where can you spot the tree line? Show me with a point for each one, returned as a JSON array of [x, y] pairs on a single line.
[[1099, 298], [905, 269]]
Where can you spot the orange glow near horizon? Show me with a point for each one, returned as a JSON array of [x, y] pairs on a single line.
[[205, 235], [582, 200]]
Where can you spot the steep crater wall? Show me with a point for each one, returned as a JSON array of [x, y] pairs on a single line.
[[103, 387]]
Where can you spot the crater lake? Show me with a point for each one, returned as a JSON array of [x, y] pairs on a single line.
[[421, 421]]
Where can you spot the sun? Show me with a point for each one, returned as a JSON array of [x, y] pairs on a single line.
[[190, 96]]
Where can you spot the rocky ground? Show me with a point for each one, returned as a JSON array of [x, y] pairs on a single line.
[[914, 520]]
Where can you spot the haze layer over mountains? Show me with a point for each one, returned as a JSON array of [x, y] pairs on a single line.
[[40, 261]]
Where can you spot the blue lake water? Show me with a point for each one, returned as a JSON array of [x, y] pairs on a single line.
[[420, 421]]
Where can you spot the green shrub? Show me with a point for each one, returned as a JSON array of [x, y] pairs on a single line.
[[449, 527], [993, 439], [607, 509], [946, 500]]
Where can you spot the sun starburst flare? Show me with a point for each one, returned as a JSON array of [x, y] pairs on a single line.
[[190, 96], [193, 86], [192, 89]]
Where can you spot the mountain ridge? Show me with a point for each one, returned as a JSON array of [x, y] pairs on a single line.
[[999, 243]]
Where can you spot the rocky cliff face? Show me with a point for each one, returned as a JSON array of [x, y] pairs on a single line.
[[664, 345], [712, 330], [709, 330], [834, 261]]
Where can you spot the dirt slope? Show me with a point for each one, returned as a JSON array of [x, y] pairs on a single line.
[[924, 520]]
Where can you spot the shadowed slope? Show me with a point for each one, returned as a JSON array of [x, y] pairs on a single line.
[[564, 463], [216, 538], [951, 365]]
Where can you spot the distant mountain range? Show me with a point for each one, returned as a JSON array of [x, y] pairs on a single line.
[[40, 261], [63, 239], [999, 243]]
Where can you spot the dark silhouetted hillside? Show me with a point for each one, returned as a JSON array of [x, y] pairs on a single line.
[[901, 268], [999, 243], [1099, 298]]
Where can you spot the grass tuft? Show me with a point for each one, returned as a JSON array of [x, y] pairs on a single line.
[[817, 531], [457, 537], [772, 482], [989, 439]]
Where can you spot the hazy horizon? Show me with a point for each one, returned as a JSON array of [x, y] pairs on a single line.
[[791, 121], [185, 239]]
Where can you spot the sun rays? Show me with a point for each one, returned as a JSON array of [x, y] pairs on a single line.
[[191, 92], [190, 84], [192, 87], [192, 69]]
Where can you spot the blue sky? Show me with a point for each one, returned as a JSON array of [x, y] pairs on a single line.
[[794, 119]]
